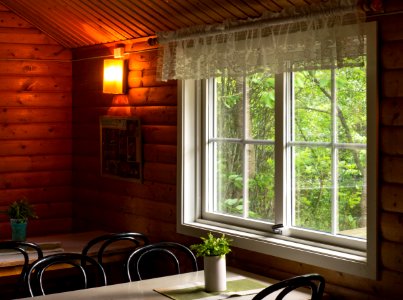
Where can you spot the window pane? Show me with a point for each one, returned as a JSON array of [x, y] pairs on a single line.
[[352, 193], [229, 108], [260, 108], [312, 108], [313, 188], [261, 182], [229, 179], [352, 105]]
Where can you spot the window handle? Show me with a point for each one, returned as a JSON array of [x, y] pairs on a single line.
[[277, 228]]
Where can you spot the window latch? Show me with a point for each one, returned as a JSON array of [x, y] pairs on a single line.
[[277, 228]]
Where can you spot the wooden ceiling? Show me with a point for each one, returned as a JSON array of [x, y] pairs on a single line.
[[78, 23]]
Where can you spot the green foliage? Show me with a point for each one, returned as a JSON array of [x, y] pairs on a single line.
[[314, 119], [21, 210], [212, 246]]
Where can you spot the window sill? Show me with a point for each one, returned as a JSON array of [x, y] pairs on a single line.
[[316, 254]]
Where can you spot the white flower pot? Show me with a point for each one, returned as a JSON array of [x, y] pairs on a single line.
[[215, 273]]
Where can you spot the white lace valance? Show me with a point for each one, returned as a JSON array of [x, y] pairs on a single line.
[[320, 36]]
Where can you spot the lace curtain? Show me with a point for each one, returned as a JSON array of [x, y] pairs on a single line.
[[320, 36]]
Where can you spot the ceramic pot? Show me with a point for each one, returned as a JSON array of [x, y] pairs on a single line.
[[215, 273], [18, 230]]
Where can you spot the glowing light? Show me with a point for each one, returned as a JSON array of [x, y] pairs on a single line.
[[113, 76]]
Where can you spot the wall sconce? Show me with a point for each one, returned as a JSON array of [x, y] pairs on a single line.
[[114, 73]]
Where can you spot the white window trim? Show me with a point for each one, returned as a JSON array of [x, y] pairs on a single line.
[[189, 196]]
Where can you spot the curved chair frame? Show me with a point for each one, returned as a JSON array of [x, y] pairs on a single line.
[[288, 285], [22, 248], [162, 247], [77, 260], [110, 238]]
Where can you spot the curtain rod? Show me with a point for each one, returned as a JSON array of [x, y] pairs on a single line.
[[247, 25]]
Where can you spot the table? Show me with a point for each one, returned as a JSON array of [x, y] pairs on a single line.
[[144, 289]]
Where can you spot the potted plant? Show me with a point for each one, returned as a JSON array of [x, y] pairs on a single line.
[[19, 212], [213, 250]]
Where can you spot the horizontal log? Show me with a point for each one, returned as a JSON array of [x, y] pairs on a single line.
[[29, 51], [164, 95], [34, 163], [392, 256], [35, 131], [156, 191], [35, 84], [35, 68], [25, 36], [391, 169], [36, 115], [155, 172], [138, 207], [46, 210], [391, 224], [36, 147], [390, 195], [154, 115], [146, 78], [11, 20], [143, 60], [163, 135], [40, 227], [392, 111], [392, 83], [37, 195], [391, 28], [388, 137], [159, 153], [27, 99], [391, 57], [35, 179]]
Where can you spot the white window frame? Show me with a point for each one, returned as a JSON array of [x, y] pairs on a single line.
[[191, 135]]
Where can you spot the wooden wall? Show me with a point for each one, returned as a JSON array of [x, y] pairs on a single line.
[[115, 204], [35, 125], [150, 207]]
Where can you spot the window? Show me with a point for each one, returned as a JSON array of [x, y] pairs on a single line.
[[284, 163]]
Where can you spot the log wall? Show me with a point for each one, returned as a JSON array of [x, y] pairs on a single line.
[[35, 125], [151, 207]]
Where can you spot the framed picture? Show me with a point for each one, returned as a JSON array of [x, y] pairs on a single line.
[[121, 155]]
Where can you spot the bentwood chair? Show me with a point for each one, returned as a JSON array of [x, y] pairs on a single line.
[[134, 239], [315, 282], [82, 272], [30, 251], [160, 259]]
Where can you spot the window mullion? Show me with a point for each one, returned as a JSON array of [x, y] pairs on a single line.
[[281, 192], [334, 154], [245, 192]]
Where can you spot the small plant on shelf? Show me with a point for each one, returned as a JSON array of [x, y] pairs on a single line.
[[21, 210], [212, 246]]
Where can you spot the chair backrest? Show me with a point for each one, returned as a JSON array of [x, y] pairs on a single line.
[[315, 282], [160, 259], [90, 272], [138, 239], [26, 249], [130, 241]]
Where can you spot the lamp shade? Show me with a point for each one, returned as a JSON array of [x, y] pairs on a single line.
[[113, 76]]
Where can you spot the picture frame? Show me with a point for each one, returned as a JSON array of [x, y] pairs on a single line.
[[121, 148]]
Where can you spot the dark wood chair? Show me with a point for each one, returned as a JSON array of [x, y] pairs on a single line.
[[160, 259], [104, 242], [315, 282], [27, 249], [84, 271]]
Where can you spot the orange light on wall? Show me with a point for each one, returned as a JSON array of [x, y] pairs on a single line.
[[114, 76]]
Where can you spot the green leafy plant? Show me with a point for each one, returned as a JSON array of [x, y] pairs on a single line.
[[21, 210], [212, 246]]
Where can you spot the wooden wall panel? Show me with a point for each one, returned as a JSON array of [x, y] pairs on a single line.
[[35, 125]]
